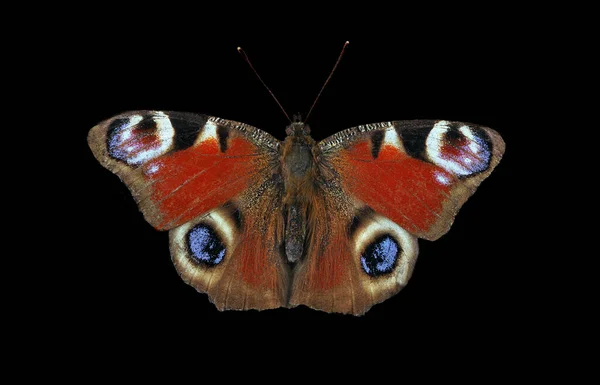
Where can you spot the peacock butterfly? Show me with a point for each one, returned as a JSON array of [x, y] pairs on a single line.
[[258, 223]]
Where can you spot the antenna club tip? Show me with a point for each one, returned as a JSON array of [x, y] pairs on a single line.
[[347, 42], [239, 48]]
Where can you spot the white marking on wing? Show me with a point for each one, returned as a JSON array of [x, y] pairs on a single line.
[[208, 132], [165, 133], [391, 138], [434, 143]]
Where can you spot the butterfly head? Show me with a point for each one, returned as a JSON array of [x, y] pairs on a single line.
[[297, 127]]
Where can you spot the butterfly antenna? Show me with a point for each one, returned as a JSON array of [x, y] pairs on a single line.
[[327, 81], [241, 51]]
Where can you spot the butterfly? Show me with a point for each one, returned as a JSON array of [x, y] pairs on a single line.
[[258, 223]]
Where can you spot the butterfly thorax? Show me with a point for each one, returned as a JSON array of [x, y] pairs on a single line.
[[299, 171]]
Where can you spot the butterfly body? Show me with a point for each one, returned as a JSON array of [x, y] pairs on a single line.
[[258, 223], [301, 176]]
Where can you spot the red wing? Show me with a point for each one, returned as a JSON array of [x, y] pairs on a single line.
[[357, 257], [383, 185], [211, 182], [417, 173], [178, 165], [232, 252]]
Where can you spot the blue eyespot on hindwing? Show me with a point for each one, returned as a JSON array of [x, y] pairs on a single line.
[[205, 246], [380, 256]]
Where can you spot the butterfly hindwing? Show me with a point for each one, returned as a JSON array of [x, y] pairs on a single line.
[[232, 254], [357, 258], [212, 183]]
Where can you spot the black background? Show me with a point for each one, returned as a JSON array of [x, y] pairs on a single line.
[[121, 282]]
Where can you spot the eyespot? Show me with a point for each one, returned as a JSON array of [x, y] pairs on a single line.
[[458, 148], [380, 256], [383, 250], [139, 139], [205, 245]]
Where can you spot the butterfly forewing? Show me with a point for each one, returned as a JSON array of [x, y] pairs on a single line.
[[418, 173]]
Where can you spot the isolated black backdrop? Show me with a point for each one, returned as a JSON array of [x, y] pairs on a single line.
[[124, 282]]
